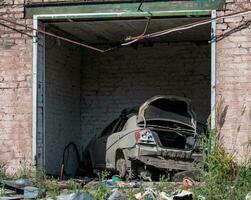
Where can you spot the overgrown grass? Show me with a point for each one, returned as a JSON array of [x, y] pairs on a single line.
[[3, 172], [163, 184], [221, 177], [98, 190]]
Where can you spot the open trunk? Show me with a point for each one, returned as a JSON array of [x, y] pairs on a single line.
[[169, 109], [172, 119]]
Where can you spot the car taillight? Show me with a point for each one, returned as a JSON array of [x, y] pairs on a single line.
[[144, 136]]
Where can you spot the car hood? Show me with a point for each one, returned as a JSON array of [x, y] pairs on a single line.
[[167, 108]]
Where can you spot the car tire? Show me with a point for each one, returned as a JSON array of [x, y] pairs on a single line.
[[121, 166]]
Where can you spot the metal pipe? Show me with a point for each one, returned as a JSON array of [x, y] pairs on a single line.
[[213, 71], [34, 93], [14, 29], [52, 35], [132, 39]]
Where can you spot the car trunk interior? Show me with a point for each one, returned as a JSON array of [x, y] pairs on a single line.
[[170, 139], [86, 90]]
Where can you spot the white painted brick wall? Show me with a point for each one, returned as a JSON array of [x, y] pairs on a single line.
[[62, 122]]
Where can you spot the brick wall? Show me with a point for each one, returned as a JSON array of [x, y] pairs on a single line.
[[127, 77], [62, 101], [15, 91], [234, 79]]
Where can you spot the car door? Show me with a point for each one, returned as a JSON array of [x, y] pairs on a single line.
[[113, 142], [100, 145]]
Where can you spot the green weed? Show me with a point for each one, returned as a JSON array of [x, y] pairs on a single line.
[[221, 177], [163, 185], [3, 171]]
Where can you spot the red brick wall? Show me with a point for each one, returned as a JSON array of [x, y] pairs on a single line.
[[15, 89], [234, 79]]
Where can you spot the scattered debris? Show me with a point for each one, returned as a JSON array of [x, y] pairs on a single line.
[[183, 195], [117, 195], [135, 184], [13, 197], [73, 196], [165, 196], [248, 196], [116, 178], [22, 187], [31, 192], [112, 189], [200, 197], [187, 183], [149, 194], [109, 183], [12, 190]]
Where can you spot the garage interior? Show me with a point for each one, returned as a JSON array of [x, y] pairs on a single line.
[[86, 90]]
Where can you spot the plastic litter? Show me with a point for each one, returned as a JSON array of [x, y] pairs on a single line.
[[31, 192], [248, 196], [73, 196], [109, 183], [121, 183], [149, 194], [183, 195], [164, 196], [200, 197], [187, 183], [17, 185], [23, 182], [135, 184], [116, 178], [117, 195]]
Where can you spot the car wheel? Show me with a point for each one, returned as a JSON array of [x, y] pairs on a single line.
[[121, 166]]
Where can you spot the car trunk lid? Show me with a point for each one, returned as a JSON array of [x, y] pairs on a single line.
[[168, 112]]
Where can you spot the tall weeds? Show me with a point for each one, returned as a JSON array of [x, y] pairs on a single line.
[[221, 177]]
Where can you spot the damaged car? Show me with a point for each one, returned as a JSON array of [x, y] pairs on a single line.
[[163, 133]]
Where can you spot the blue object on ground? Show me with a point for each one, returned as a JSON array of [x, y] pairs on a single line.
[[30, 192]]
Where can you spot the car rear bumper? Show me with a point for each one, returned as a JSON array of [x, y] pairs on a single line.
[[163, 158]]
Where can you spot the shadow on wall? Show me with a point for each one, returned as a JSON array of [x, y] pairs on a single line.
[[221, 114], [235, 136], [245, 25]]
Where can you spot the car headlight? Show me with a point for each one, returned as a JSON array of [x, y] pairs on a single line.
[[145, 136]]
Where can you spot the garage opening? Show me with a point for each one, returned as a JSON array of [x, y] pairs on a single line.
[[86, 90]]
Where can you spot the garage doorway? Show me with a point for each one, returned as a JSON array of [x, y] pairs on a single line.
[[80, 91]]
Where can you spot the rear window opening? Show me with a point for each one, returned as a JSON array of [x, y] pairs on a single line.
[[170, 139], [169, 105], [166, 108]]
